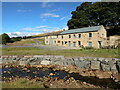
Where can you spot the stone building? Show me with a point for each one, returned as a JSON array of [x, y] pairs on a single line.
[[95, 36]]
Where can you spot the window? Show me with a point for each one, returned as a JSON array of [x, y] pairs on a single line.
[[74, 44], [90, 34], [74, 36], [58, 41], [69, 43], [79, 43], [79, 35], [55, 41], [69, 36], [46, 37], [65, 42], [46, 41], [102, 35], [90, 44], [62, 37], [57, 36]]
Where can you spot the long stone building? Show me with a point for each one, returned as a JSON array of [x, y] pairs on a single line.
[[95, 36]]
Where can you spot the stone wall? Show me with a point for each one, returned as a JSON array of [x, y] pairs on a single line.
[[104, 64]]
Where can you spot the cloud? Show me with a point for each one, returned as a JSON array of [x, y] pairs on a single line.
[[29, 29], [54, 10], [63, 18], [24, 10], [45, 5], [43, 29], [49, 15], [21, 34], [41, 26]]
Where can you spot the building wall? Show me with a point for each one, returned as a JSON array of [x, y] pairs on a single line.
[[113, 40], [64, 40]]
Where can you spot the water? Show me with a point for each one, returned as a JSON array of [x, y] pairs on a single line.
[[32, 72], [38, 72]]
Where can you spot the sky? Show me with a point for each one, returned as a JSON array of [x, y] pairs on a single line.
[[36, 17]]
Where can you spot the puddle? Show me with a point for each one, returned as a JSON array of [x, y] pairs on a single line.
[[38, 72], [32, 72]]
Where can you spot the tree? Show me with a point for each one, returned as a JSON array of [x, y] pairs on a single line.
[[93, 14], [80, 17], [4, 38]]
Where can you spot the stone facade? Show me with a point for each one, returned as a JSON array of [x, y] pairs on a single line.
[[94, 39], [96, 63]]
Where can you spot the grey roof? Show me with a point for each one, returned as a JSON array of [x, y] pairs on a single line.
[[80, 30]]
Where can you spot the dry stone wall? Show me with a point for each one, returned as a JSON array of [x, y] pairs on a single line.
[[98, 63]]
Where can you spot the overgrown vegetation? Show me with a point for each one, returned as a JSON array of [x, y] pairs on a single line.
[[108, 53]]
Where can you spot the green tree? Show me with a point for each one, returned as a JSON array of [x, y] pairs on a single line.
[[93, 14], [4, 38]]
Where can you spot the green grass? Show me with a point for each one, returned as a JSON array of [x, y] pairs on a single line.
[[108, 53], [22, 42], [21, 83]]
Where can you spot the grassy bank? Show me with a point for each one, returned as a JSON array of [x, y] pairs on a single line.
[[108, 53], [21, 83]]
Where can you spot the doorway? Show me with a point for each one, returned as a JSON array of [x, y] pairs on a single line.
[[100, 44]]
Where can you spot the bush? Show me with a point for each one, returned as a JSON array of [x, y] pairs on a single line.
[[88, 48], [4, 38]]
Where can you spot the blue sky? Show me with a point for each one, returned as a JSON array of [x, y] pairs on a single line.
[[36, 17]]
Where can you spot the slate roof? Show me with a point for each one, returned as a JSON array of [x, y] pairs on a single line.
[[80, 30]]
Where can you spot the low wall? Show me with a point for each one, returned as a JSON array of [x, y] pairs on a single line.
[[104, 64]]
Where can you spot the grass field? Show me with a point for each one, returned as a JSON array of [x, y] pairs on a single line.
[[21, 83], [22, 42], [108, 53]]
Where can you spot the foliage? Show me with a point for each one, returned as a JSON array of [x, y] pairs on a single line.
[[88, 48], [93, 14], [13, 39], [4, 38]]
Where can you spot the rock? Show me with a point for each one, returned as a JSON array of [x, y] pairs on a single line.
[[45, 62], [105, 67], [70, 62], [9, 72], [28, 70], [51, 74], [38, 56], [82, 64], [101, 59], [112, 65], [58, 63], [24, 69], [81, 58], [95, 65], [4, 71], [6, 66]]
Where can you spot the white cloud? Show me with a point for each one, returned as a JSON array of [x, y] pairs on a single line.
[[63, 18], [45, 5], [21, 34], [41, 26], [28, 29], [49, 15]]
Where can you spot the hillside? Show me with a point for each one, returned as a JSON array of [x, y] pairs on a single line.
[[47, 34]]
